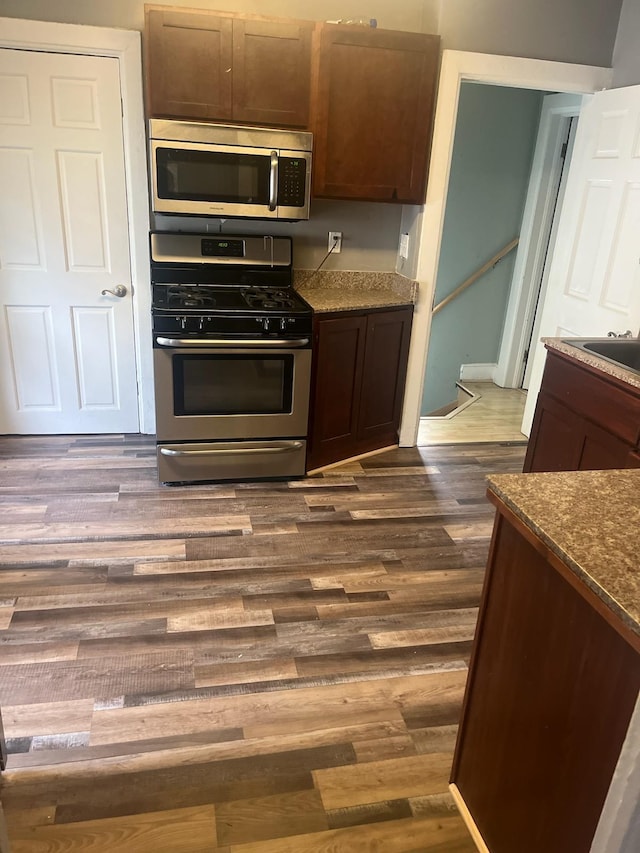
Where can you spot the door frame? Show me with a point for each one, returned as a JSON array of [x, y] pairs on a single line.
[[546, 184], [125, 46], [458, 67]]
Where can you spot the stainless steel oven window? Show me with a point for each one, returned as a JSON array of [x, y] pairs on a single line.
[[223, 384]]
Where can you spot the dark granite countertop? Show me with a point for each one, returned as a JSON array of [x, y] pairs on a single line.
[[594, 360], [349, 290], [591, 521]]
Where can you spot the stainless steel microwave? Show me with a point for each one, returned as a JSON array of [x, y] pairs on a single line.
[[220, 170]]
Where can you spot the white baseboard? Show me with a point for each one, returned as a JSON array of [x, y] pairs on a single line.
[[478, 372]]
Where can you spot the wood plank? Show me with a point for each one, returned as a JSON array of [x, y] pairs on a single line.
[[122, 529], [80, 679], [189, 830], [394, 778], [396, 836], [293, 813], [47, 718]]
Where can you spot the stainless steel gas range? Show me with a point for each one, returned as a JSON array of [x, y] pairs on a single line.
[[232, 358]]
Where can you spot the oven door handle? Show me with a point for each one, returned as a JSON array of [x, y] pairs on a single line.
[[229, 451], [180, 343], [273, 181]]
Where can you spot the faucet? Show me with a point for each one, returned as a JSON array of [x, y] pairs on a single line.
[[627, 334]]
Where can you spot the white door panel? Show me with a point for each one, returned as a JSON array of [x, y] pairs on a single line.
[[33, 362], [594, 278], [67, 357]]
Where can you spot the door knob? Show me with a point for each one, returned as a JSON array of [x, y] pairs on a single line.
[[119, 290]]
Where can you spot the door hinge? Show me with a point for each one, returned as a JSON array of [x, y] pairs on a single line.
[[526, 355], [563, 150]]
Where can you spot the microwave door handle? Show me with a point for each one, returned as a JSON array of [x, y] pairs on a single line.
[[273, 181]]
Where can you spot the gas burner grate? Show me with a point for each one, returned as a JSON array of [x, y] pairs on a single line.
[[264, 298], [190, 297]]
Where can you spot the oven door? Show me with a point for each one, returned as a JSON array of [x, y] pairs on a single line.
[[215, 390]]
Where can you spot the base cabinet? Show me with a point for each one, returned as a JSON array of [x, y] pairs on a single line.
[[551, 689], [584, 420], [360, 367]]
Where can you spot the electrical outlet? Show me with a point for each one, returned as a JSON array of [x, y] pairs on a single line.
[[335, 240], [404, 246]]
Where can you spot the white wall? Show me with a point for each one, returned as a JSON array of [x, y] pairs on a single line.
[[413, 15], [580, 31], [626, 54]]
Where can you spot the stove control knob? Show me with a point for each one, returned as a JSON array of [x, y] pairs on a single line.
[[283, 324], [265, 324], [183, 322]]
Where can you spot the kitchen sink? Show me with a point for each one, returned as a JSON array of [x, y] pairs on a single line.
[[622, 351]]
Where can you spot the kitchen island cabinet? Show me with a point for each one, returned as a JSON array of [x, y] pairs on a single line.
[[373, 100], [211, 66], [555, 668], [585, 418], [360, 367]]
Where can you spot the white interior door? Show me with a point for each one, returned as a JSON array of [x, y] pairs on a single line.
[[594, 277], [67, 358]]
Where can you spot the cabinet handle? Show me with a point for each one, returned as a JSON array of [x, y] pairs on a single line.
[[284, 447], [261, 343], [273, 181]]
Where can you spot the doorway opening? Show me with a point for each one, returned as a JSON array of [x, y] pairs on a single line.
[[506, 184], [426, 225]]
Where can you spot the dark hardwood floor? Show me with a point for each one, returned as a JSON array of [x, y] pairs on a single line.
[[237, 668]]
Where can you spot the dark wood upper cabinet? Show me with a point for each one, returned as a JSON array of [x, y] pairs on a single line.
[[584, 419], [372, 111], [368, 95], [271, 72], [208, 66], [188, 58]]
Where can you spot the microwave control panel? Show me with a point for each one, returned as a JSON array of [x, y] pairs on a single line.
[[292, 176]]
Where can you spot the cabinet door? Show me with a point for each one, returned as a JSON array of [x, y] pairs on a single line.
[[373, 105], [551, 689], [339, 356], [383, 378], [271, 72], [556, 437], [602, 451], [188, 62]]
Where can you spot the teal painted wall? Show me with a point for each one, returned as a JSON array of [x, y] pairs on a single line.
[[493, 148]]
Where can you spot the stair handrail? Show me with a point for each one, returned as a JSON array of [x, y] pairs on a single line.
[[475, 276]]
